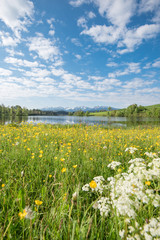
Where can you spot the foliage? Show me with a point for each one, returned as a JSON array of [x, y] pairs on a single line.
[[133, 111], [44, 167]]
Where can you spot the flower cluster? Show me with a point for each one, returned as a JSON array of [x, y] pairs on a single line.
[[128, 191], [131, 149], [95, 185], [113, 165]]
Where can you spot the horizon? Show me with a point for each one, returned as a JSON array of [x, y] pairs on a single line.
[[79, 52]]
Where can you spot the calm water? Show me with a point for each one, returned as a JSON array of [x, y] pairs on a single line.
[[94, 120]]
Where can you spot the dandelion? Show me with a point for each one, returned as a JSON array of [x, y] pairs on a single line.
[[63, 170], [74, 166], [3, 185], [148, 183], [38, 202], [93, 184]]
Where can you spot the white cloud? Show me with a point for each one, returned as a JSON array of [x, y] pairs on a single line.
[[5, 72], [103, 34], [77, 3], [132, 68], [133, 38], [76, 42], [137, 83], [96, 78], [78, 56], [58, 72], [82, 22], [37, 73], [156, 64], [91, 15], [111, 64], [51, 32], [21, 62], [118, 12], [148, 5], [7, 40], [16, 14], [43, 47], [12, 52]]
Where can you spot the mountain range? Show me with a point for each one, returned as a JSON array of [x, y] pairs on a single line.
[[75, 109]]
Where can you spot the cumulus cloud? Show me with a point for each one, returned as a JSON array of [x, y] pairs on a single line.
[[77, 3], [156, 63], [103, 34], [21, 62], [119, 14], [137, 83], [82, 22], [6, 40], [131, 68], [5, 72], [133, 38], [91, 15], [43, 47], [148, 5], [78, 56], [16, 14], [37, 73], [76, 42]]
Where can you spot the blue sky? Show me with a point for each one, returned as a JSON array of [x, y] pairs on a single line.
[[79, 52]]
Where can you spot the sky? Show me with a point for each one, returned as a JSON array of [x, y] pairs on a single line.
[[79, 53]]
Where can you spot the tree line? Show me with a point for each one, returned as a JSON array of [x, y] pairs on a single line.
[[136, 111], [17, 111]]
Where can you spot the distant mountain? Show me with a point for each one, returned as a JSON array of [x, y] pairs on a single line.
[[75, 109]]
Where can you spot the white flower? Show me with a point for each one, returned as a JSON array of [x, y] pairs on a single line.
[[131, 149], [121, 233], [113, 165], [86, 188], [152, 155]]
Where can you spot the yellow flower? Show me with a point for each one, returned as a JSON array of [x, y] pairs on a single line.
[[62, 159], [65, 196], [148, 183], [38, 202], [3, 185], [74, 166], [40, 155], [119, 170], [63, 170], [22, 214], [93, 184], [50, 176], [91, 158]]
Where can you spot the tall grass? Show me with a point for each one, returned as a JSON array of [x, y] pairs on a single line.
[[50, 163]]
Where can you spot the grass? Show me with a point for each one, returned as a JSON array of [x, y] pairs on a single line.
[[50, 163]]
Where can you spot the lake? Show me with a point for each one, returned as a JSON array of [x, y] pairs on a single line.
[[92, 120]]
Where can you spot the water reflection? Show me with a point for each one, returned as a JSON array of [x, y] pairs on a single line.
[[93, 120]]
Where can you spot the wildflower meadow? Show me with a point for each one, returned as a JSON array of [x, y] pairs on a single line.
[[79, 182]]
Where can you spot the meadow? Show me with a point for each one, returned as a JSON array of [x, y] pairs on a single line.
[[79, 182]]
